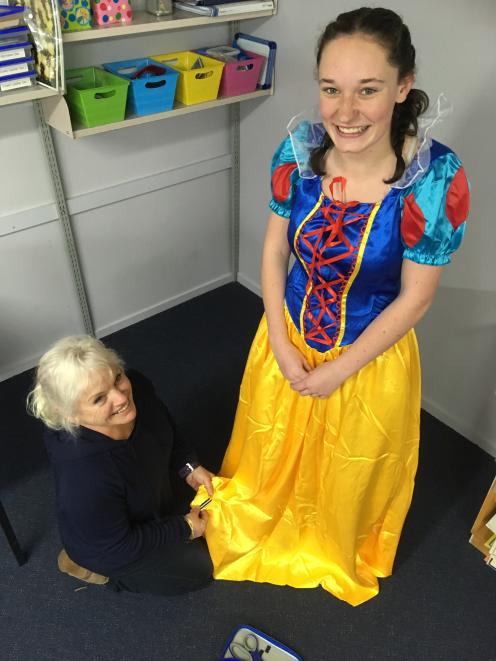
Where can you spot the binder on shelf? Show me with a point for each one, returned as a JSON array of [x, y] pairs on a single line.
[[208, 3], [224, 9], [260, 47], [242, 7], [194, 9]]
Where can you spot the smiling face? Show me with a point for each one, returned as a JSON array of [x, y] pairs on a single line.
[[358, 92], [107, 404]]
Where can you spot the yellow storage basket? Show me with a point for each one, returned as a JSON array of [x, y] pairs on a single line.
[[199, 75]]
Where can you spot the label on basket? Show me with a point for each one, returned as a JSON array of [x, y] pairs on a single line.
[[15, 84], [22, 67], [14, 54]]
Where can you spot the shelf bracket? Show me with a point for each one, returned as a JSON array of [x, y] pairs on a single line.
[[64, 218], [234, 113]]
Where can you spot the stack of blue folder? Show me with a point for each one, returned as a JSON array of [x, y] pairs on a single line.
[[16, 60]]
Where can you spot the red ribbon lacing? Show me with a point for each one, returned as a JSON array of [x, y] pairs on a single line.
[[323, 293]]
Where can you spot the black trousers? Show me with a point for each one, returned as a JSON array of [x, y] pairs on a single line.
[[171, 570]]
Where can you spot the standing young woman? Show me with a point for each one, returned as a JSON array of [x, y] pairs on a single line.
[[320, 469]]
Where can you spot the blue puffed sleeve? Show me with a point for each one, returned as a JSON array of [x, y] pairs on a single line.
[[284, 177], [435, 210]]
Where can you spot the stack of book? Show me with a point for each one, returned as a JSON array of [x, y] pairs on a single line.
[[483, 535], [490, 544], [223, 7]]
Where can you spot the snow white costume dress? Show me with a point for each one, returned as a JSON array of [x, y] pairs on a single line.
[[315, 491]]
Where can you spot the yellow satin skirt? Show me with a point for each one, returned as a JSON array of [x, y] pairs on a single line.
[[315, 491]]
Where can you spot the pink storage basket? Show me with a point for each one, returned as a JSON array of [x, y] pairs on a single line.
[[241, 76]]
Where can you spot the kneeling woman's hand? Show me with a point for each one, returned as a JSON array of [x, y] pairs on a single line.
[[201, 476], [198, 519]]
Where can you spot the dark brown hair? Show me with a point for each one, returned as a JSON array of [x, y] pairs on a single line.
[[388, 29]]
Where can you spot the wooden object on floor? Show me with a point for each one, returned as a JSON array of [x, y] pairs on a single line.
[[480, 532]]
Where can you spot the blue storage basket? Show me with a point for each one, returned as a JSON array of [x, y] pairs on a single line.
[[151, 92]]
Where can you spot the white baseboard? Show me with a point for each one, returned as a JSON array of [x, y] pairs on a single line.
[[249, 284], [171, 302], [18, 367], [487, 444]]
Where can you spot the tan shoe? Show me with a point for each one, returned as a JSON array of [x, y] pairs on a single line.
[[68, 566]]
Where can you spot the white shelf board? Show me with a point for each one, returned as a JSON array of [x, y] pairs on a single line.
[[144, 22], [32, 93], [57, 114]]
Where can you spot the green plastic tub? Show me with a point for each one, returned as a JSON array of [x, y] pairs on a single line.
[[95, 96]]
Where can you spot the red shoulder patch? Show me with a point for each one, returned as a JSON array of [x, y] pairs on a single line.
[[281, 181], [457, 199], [412, 221]]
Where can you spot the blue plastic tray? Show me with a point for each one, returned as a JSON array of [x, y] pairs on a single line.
[[10, 82], [11, 36], [12, 68], [271, 649]]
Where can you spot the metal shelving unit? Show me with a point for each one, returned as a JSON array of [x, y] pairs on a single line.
[[144, 22], [52, 111]]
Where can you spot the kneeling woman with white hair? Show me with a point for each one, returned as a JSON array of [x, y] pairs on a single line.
[[112, 443]]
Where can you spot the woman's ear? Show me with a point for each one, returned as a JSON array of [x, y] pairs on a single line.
[[70, 418], [405, 85]]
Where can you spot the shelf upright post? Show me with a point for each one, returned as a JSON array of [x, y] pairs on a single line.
[[65, 220], [234, 112]]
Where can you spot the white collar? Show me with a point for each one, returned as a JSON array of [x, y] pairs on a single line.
[[306, 132]]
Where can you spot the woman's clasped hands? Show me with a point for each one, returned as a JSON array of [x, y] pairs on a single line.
[[319, 381]]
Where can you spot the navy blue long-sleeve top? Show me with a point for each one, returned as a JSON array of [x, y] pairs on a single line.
[[113, 497]]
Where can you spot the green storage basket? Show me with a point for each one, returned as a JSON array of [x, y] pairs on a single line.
[[95, 96]]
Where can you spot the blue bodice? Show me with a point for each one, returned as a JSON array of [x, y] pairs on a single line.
[[349, 255]]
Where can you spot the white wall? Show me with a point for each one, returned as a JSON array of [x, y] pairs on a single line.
[[148, 202], [150, 207], [457, 55]]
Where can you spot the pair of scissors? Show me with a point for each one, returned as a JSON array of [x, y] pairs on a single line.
[[205, 503], [247, 650]]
